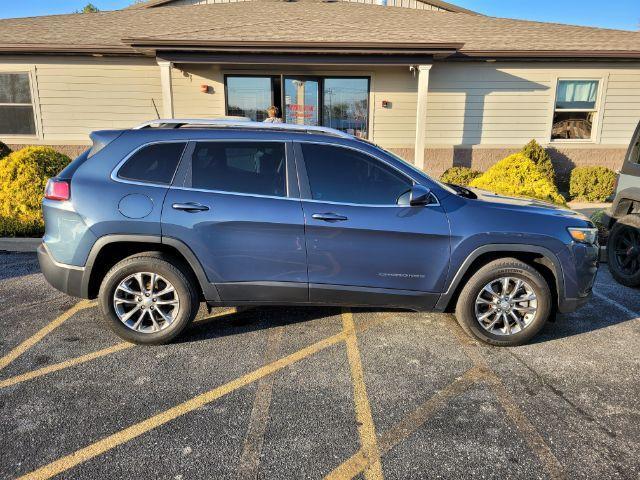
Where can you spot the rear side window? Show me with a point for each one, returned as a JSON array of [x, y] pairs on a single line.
[[343, 175], [155, 163], [257, 168]]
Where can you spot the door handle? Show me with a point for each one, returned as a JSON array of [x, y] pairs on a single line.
[[191, 207], [329, 217]]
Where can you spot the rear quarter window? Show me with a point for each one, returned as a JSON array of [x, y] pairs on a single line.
[[155, 163]]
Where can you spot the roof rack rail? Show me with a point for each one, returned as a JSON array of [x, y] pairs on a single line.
[[239, 123]]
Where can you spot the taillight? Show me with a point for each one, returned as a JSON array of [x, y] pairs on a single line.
[[57, 190]]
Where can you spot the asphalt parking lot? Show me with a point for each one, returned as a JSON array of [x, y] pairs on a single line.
[[314, 392]]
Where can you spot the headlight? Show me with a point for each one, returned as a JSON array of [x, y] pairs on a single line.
[[584, 235]]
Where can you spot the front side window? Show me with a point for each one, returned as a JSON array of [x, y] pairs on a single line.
[[338, 174], [16, 106], [155, 163], [575, 110], [257, 168]]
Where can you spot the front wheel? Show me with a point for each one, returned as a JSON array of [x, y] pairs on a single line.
[[505, 303], [148, 299], [623, 251]]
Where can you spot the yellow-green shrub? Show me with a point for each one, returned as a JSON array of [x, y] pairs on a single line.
[[593, 184], [517, 175], [23, 176], [459, 176], [540, 157]]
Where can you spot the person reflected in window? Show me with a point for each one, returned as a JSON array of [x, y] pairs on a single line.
[[272, 111]]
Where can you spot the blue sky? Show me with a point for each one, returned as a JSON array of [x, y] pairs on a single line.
[[623, 14]]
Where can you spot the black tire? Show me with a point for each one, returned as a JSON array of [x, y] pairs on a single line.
[[513, 268], [174, 272], [625, 268]]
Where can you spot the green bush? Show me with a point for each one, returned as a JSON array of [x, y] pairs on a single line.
[[541, 158], [519, 176], [4, 150], [593, 184], [23, 177], [599, 219], [459, 176]]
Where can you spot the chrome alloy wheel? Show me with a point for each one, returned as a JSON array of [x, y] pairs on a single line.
[[146, 302], [506, 306]]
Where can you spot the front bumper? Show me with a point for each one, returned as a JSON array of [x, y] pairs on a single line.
[[66, 278], [580, 277]]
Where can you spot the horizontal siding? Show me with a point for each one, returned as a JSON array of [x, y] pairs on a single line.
[[395, 126], [493, 104], [189, 102], [79, 95], [622, 107]]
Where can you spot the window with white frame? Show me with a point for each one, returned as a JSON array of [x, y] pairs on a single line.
[[16, 105], [575, 109]]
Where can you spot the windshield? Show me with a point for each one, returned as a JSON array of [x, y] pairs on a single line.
[[412, 167]]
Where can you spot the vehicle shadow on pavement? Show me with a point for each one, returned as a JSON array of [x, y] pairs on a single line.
[[260, 318], [13, 265], [252, 320], [578, 323]]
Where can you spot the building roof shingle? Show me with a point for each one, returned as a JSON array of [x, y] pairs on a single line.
[[309, 22]]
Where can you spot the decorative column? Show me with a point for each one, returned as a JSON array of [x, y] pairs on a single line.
[[421, 115], [167, 88]]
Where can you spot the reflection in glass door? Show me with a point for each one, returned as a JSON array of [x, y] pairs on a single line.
[[301, 100], [346, 105]]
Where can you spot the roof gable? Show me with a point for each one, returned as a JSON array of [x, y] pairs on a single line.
[[434, 5]]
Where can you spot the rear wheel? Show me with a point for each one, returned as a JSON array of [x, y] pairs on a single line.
[[147, 299], [505, 303], [623, 251]]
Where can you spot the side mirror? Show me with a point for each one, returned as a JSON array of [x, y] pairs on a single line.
[[419, 195]]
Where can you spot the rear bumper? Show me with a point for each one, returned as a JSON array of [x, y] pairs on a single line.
[[68, 279]]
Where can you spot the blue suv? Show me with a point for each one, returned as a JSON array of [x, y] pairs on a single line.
[[154, 220]]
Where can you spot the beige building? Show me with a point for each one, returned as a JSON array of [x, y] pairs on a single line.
[[437, 84]]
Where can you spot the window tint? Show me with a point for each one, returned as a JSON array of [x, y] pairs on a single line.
[[343, 175], [241, 167], [153, 164]]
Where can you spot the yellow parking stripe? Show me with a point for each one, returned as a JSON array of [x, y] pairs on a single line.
[[66, 364], [366, 427], [259, 418], [91, 356], [31, 341], [407, 426], [549, 461], [101, 446]]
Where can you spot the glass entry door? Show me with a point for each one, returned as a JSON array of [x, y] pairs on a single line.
[[302, 100]]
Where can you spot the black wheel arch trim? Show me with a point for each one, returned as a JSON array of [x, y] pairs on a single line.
[[446, 297], [209, 289]]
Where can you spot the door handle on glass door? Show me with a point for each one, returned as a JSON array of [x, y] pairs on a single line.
[[329, 217], [190, 207]]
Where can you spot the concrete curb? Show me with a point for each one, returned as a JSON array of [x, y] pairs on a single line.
[[11, 244]]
